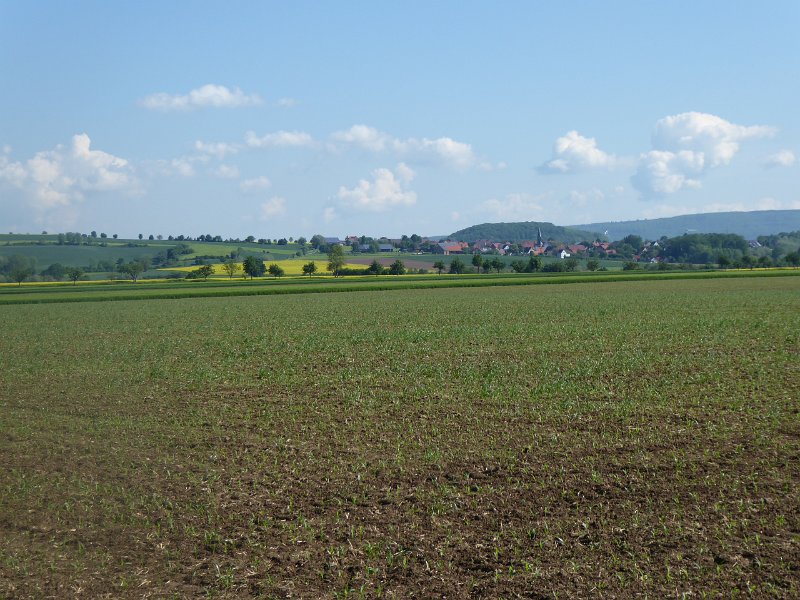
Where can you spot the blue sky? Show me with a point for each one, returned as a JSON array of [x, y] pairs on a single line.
[[383, 118]]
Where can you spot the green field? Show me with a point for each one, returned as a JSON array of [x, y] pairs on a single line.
[[92, 291], [623, 439], [45, 250]]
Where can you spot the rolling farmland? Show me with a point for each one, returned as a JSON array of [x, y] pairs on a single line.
[[617, 439]]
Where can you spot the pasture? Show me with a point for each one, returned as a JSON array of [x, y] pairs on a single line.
[[617, 439]]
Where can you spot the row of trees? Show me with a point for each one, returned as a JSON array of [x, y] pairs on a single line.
[[18, 268]]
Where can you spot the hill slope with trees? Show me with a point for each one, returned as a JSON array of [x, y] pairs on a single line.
[[519, 232], [747, 224]]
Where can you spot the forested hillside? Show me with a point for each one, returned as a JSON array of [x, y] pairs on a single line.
[[747, 224], [518, 232]]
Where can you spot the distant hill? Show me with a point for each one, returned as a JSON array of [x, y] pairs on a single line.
[[518, 232], [747, 224]]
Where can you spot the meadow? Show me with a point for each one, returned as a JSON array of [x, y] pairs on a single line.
[[606, 439], [45, 250]]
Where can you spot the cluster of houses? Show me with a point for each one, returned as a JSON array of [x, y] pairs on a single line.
[[538, 247], [527, 248]]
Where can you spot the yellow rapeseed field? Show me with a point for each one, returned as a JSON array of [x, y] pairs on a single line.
[[291, 267]]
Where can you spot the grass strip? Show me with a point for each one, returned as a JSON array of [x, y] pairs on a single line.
[[261, 288]]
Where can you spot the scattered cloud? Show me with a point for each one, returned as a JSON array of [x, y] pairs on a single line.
[[586, 197], [784, 158], [217, 149], [383, 193], [405, 172], [768, 203], [364, 137], [179, 166], [455, 216], [443, 150], [182, 166], [274, 207], [207, 96], [515, 207], [329, 214], [63, 176], [13, 173], [722, 207], [286, 102], [686, 147], [255, 184], [278, 139], [574, 152], [227, 172]]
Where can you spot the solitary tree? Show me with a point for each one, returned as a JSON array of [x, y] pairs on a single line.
[[592, 264], [74, 273], [205, 271], [21, 274], [397, 268], [309, 268], [457, 266], [231, 267], [335, 259], [497, 264], [254, 267], [375, 268], [439, 266], [534, 264], [477, 261], [131, 269], [276, 270]]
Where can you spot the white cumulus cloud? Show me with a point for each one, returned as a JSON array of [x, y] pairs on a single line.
[[218, 149], [227, 172], [383, 193], [63, 176], [278, 139], [274, 207], [443, 150], [255, 184], [207, 96], [686, 147], [365, 137], [661, 172], [574, 152], [784, 158]]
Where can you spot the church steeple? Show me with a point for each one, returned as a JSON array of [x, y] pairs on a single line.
[[539, 240]]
